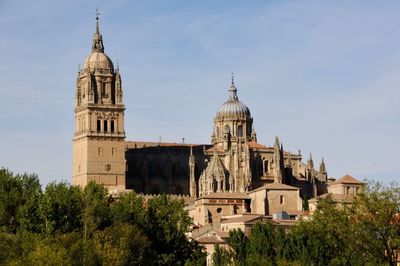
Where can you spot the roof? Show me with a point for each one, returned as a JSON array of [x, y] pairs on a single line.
[[253, 144], [298, 213], [209, 239], [348, 179], [212, 237], [142, 144], [244, 218], [275, 186], [225, 196], [335, 197]]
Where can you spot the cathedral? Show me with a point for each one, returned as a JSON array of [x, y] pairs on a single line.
[[234, 166]]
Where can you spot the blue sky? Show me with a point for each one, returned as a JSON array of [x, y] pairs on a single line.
[[322, 75]]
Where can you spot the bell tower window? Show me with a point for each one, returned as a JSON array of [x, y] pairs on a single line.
[[112, 126], [105, 126]]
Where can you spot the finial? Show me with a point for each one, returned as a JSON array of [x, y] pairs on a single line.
[[232, 89], [97, 19]]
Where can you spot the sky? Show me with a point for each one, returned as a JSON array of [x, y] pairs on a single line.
[[324, 76]]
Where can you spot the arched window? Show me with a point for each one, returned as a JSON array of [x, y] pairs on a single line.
[[98, 125], [240, 131], [103, 89], [105, 126], [112, 125], [265, 166]]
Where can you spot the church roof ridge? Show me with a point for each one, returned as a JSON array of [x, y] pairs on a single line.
[[347, 179]]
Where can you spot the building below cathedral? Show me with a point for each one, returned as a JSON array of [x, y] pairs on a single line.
[[232, 175]]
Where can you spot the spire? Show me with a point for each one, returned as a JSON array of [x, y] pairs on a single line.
[[97, 45], [276, 142], [97, 20], [310, 162], [322, 166], [233, 90]]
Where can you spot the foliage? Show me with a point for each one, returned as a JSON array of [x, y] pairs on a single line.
[[17, 193], [67, 225], [62, 208], [364, 233], [220, 256]]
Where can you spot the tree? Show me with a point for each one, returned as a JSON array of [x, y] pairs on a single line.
[[325, 239], [96, 213], [220, 256], [122, 244], [265, 244], [238, 244], [62, 208], [166, 225], [129, 208], [16, 191], [376, 215]]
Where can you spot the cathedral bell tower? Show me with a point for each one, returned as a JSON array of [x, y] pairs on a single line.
[[98, 143]]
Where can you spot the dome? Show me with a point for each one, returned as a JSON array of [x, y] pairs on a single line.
[[98, 60], [233, 107]]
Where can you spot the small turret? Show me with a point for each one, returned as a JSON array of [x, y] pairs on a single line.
[[278, 161], [192, 178], [310, 162], [253, 135], [322, 170]]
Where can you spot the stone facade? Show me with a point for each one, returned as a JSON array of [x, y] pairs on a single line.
[[268, 179]]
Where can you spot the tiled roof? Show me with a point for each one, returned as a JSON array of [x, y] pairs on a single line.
[[253, 144], [275, 186], [212, 239], [244, 218], [335, 197], [348, 179], [141, 144], [225, 196]]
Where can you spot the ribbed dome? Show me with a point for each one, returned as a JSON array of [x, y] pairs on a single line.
[[233, 107], [98, 60]]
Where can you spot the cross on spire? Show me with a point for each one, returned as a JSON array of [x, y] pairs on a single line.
[[97, 13], [97, 19]]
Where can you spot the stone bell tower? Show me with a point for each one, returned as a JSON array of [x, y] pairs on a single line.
[[98, 143]]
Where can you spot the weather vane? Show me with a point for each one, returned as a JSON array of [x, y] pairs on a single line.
[[97, 13]]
